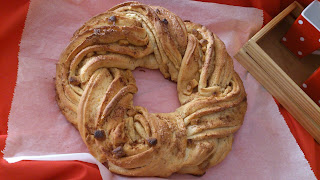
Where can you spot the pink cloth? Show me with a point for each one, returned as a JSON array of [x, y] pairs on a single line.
[[263, 148]]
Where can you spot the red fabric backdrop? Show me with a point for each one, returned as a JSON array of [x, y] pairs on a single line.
[[12, 17]]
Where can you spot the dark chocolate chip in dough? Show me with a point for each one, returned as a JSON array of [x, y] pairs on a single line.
[[152, 141], [118, 152], [99, 134], [112, 18], [74, 81], [165, 21]]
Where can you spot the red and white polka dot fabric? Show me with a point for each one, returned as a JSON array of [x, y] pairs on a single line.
[[303, 38], [312, 86]]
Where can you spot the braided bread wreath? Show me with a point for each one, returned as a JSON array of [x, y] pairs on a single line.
[[95, 88]]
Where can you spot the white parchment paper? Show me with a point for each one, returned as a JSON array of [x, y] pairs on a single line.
[[263, 148]]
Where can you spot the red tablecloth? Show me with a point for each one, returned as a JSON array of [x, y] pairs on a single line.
[[12, 17]]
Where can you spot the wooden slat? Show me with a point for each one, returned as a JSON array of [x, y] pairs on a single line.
[[285, 82], [275, 80], [274, 22], [298, 10], [297, 69], [273, 87]]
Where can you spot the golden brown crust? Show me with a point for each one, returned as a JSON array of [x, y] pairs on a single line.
[[95, 88]]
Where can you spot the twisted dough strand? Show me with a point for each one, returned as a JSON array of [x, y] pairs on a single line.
[[95, 88]]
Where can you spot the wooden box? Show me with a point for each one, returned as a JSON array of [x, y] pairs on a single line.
[[280, 71]]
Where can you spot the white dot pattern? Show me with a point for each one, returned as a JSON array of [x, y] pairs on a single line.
[[300, 53], [319, 101], [300, 22], [319, 40], [304, 85], [284, 39], [301, 38]]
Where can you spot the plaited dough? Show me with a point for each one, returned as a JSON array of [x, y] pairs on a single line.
[[95, 88]]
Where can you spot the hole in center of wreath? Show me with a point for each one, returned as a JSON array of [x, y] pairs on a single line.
[[157, 94]]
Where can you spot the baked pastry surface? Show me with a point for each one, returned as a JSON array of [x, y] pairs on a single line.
[[95, 89]]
